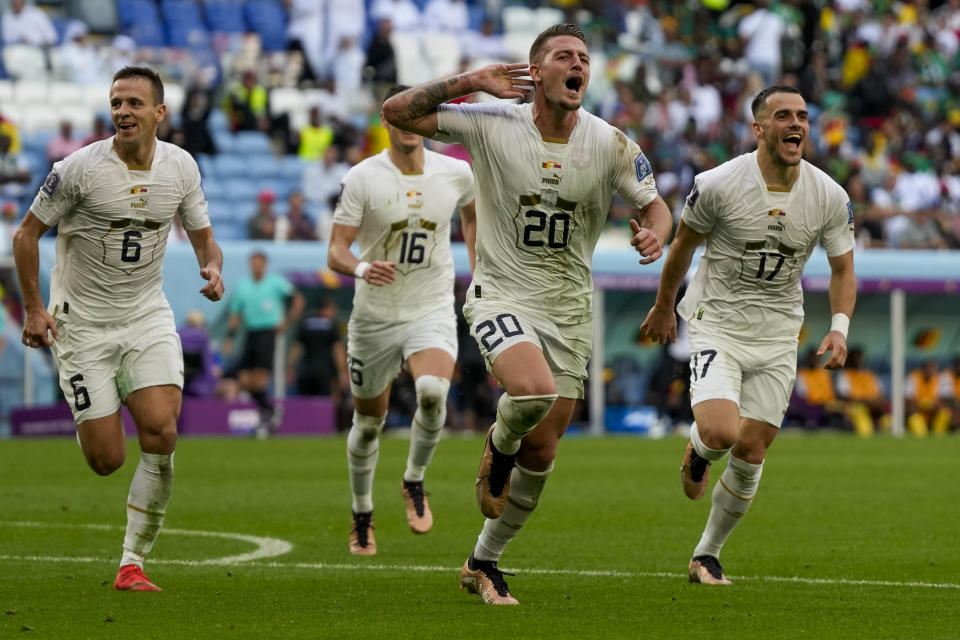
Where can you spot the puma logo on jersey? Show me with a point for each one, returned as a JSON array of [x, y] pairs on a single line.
[[141, 203], [775, 227]]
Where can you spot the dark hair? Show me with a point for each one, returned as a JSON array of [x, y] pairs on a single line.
[[759, 100], [394, 90], [146, 73], [552, 32]]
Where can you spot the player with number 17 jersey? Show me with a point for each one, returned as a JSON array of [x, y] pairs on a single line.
[[539, 221], [113, 226], [404, 219]]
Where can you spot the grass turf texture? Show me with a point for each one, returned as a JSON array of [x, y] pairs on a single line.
[[830, 508]]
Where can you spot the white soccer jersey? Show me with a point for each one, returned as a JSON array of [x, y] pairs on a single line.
[[113, 226], [542, 203], [404, 219], [758, 240]]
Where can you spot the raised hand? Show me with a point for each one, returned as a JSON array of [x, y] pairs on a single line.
[[505, 80]]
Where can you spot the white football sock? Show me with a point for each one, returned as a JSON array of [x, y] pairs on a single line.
[[731, 497], [363, 451], [705, 452], [516, 417], [146, 504], [427, 424], [525, 489]]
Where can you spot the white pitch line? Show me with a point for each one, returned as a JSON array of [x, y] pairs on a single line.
[[590, 573], [265, 547]]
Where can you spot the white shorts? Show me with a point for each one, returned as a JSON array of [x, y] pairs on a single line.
[[375, 358], [497, 325], [758, 376], [100, 366]]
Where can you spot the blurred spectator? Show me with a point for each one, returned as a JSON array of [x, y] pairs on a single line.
[[315, 136], [402, 14], [669, 386], [9, 128], [476, 398], [9, 221], [321, 179], [486, 43], [306, 26], [247, 104], [99, 131], [381, 64], [299, 224], [346, 67], [122, 53], [263, 224], [446, 15], [199, 366], [27, 24], [63, 144], [923, 231], [265, 305], [762, 32], [81, 60], [197, 105], [815, 401], [861, 391], [318, 357], [928, 400], [347, 20], [14, 171], [950, 389]]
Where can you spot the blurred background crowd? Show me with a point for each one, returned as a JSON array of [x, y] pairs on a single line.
[[277, 99]]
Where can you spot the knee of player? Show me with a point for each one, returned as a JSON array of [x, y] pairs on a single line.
[[368, 427], [752, 451], [432, 393], [526, 410], [537, 456], [105, 463]]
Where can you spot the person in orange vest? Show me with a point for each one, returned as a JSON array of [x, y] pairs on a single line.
[[814, 387], [926, 408], [950, 390], [863, 395]]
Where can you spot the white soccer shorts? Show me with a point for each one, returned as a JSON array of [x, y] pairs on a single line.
[[758, 376], [99, 366], [375, 358]]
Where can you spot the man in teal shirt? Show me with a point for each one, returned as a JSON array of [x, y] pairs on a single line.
[[260, 304]]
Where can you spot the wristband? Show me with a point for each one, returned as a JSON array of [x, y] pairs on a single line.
[[361, 269], [841, 323]]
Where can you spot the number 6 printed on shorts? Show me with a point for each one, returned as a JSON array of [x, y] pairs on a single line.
[[708, 355]]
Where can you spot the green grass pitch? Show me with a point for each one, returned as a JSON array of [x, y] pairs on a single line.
[[848, 538]]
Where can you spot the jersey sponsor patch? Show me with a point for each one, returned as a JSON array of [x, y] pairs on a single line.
[[51, 184], [849, 212], [643, 167], [693, 197]]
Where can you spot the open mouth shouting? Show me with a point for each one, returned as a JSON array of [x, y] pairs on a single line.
[[793, 142], [574, 83]]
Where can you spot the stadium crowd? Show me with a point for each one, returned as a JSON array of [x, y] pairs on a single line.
[[881, 79]]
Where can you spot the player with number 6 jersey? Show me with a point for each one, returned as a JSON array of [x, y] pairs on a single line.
[[546, 174], [108, 324], [397, 205]]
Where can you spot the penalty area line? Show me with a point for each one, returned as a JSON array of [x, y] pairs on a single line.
[[587, 573]]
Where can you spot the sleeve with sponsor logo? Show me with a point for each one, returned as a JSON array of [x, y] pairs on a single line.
[[633, 174], [352, 201], [837, 236], [58, 193], [193, 207], [697, 212]]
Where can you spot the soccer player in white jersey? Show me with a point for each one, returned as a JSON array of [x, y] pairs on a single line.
[[108, 323], [397, 206], [546, 174], [761, 215]]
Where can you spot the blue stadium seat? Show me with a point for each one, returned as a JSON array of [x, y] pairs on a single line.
[[230, 230], [184, 24], [225, 16], [269, 20], [205, 162], [250, 142], [263, 166], [241, 190], [293, 168], [223, 140], [218, 123], [140, 20], [228, 165]]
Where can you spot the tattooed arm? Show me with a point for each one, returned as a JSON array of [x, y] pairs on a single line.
[[415, 109]]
